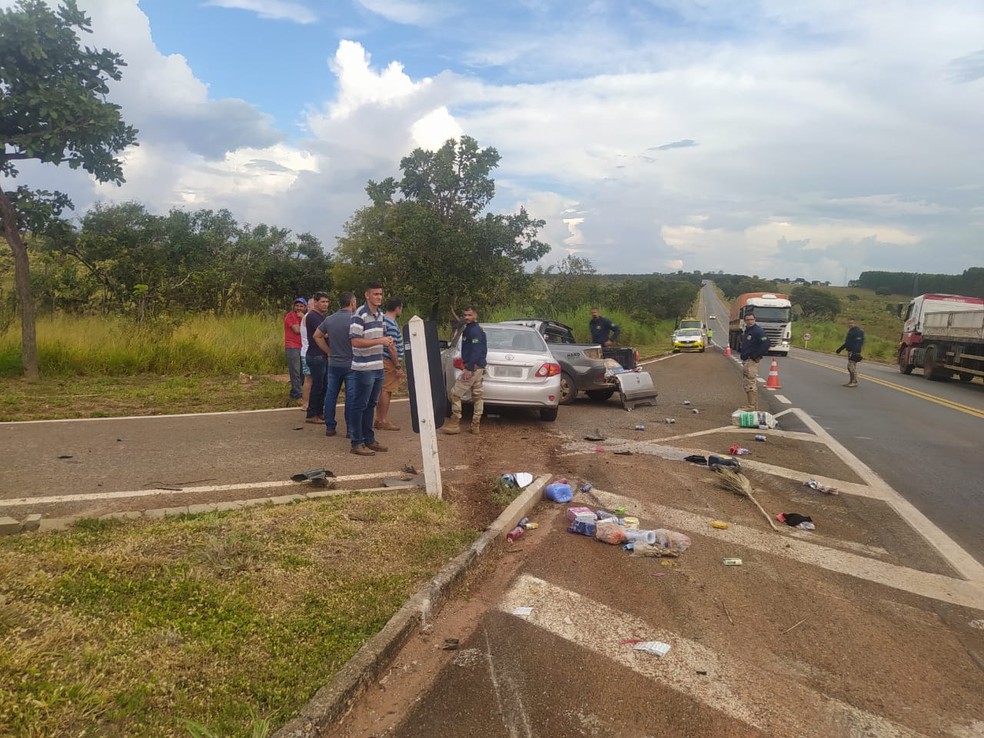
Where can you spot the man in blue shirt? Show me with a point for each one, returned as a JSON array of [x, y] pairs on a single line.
[[333, 338], [754, 345], [369, 342], [854, 342], [474, 351], [603, 331]]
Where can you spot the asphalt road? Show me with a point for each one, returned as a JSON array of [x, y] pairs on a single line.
[[923, 438]]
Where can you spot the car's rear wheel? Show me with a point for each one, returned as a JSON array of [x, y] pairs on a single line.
[[568, 390], [549, 414], [600, 395]]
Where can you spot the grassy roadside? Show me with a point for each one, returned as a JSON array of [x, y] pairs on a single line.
[[224, 620]]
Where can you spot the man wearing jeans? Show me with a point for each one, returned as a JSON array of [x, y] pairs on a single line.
[[369, 341], [317, 360], [292, 347], [333, 338]]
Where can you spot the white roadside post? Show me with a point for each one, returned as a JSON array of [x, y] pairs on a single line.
[[425, 408]]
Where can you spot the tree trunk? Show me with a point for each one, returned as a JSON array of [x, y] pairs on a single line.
[[22, 279]]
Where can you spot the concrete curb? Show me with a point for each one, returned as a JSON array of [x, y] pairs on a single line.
[[335, 699]]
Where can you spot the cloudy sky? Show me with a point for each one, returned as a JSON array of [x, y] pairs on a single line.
[[783, 138]]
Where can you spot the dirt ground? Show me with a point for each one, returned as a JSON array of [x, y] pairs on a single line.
[[778, 646]]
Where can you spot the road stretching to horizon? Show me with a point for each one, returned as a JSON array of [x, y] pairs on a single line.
[[922, 437]]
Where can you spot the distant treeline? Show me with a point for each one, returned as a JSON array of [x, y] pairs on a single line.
[[970, 283]]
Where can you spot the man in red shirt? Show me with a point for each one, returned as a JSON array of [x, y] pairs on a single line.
[[292, 346]]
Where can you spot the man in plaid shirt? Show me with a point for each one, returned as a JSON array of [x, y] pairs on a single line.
[[392, 370]]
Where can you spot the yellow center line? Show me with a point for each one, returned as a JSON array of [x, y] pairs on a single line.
[[915, 393]]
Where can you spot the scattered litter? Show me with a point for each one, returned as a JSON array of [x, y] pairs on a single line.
[[719, 524], [732, 562], [599, 449], [574, 512], [596, 436], [662, 573], [737, 450], [723, 460], [696, 459], [619, 511], [524, 479], [583, 527], [795, 520], [609, 531], [523, 612], [759, 437], [656, 648], [586, 487], [640, 427], [559, 492], [702, 673], [695, 411], [672, 543], [515, 534], [669, 421], [753, 419], [686, 402], [66, 456], [793, 626], [450, 644], [634, 535], [623, 453], [825, 489], [314, 474], [630, 521], [667, 562], [977, 624], [410, 469]]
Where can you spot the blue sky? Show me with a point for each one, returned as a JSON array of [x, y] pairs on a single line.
[[797, 138]]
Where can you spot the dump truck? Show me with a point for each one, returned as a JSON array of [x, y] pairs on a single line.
[[772, 311], [944, 335]]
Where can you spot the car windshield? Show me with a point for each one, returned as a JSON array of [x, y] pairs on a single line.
[[771, 314], [688, 332], [514, 339]]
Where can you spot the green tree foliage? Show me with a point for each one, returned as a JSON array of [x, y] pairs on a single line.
[[53, 108], [815, 303], [426, 238], [733, 285], [970, 283], [129, 260]]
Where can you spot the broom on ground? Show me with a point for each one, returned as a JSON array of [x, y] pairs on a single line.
[[738, 483]]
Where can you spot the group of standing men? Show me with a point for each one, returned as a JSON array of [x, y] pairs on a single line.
[[358, 348], [755, 344]]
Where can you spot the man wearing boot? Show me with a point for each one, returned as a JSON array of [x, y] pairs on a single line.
[[854, 342], [474, 350], [754, 345]]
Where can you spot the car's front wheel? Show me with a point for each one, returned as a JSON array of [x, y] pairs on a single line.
[[549, 414], [568, 390]]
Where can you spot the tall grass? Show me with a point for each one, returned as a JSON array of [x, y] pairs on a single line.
[[112, 346]]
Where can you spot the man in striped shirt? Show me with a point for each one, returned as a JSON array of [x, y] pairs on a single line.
[[392, 370], [369, 342]]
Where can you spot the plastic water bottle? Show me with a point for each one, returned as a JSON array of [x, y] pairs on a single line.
[[759, 437], [586, 487], [640, 427]]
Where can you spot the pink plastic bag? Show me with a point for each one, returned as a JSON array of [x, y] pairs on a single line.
[[608, 531]]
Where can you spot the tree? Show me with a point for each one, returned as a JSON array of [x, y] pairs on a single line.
[[53, 108], [434, 246], [816, 303]]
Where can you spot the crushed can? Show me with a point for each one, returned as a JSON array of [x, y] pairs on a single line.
[[640, 427], [732, 562], [719, 524], [759, 437]]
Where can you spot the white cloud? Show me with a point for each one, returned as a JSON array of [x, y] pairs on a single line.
[[271, 9], [410, 12]]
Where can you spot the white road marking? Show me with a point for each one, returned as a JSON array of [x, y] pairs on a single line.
[[658, 358], [728, 690], [21, 501], [176, 415], [925, 584], [784, 400]]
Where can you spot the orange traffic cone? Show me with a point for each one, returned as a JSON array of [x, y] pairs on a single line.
[[773, 381], [727, 350]]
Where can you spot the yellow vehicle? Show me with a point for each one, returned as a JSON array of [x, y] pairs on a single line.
[[689, 339]]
